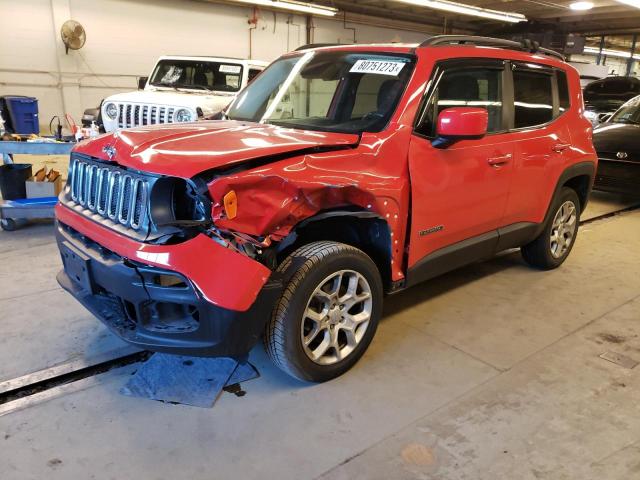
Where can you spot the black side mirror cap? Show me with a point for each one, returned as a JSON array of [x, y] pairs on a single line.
[[142, 82]]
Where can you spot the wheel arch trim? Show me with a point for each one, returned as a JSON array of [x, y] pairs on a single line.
[[381, 246]]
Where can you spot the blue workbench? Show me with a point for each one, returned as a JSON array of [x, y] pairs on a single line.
[[7, 149]]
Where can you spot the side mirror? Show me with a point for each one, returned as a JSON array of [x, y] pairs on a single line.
[[460, 123], [142, 82]]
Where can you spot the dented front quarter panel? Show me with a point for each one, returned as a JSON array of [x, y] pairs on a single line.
[[274, 198]]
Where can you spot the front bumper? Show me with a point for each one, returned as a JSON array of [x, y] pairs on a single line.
[[155, 308]]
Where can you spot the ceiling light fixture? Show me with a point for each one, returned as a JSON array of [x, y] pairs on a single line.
[[632, 3], [579, 6], [610, 53], [453, 7], [293, 6]]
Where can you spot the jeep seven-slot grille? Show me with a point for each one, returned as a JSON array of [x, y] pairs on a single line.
[[134, 115], [109, 191]]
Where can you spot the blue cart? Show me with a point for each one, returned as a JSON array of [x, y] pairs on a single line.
[[15, 213]]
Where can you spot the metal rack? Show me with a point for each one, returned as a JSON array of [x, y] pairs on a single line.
[[524, 46]]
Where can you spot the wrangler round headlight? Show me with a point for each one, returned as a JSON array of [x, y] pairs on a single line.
[[111, 110], [183, 115]]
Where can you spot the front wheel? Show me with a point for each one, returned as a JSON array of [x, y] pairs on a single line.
[[328, 313], [554, 244]]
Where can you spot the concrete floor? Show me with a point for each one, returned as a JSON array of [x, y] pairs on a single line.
[[490, 372]]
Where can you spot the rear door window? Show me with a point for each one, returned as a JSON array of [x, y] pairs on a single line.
[[533, 98]]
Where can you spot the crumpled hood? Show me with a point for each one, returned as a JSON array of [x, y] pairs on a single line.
[[186, 149]]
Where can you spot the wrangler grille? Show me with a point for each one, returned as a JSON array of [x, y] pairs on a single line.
[[134, 115], [109, 191]]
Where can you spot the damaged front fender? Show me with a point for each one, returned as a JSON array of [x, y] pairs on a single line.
[[273, 205], [273, 200]]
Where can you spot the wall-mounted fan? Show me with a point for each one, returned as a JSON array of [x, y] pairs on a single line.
[[73, 35]]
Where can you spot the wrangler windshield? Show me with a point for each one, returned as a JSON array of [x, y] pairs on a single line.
[[331, 91], [197, 75]]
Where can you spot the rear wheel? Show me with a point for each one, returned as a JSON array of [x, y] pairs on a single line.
[[554, 244], [328, 313]]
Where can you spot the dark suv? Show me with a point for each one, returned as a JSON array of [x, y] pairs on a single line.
[[340, 174]]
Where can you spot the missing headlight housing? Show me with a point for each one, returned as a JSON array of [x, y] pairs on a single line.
[[176, 201]]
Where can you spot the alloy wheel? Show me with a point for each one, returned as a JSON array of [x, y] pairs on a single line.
[[336, 317], [563, 229]]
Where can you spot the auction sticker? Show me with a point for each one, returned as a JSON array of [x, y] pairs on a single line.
[[379, 67], [230, 68]]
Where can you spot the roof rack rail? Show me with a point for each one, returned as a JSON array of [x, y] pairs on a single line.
[[319, 45], [525, 45]]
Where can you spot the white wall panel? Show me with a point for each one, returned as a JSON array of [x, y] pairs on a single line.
[[125, 37]]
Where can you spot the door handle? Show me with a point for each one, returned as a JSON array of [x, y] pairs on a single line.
[[560, 147], [499, 161]]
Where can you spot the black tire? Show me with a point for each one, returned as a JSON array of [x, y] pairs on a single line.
[[308, 267], [8, 224], [539, 253]]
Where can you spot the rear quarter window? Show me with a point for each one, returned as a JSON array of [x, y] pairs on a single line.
[[563, 91]]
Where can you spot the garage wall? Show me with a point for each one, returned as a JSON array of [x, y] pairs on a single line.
[[125, 37], [617, 66]]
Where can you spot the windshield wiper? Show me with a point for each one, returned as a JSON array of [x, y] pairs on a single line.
[[184, 85], [163, 84], [176, 86]]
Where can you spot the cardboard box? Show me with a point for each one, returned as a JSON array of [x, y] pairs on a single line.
[[43, 189]]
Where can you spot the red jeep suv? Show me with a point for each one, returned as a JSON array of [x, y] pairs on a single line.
[[340, 174]]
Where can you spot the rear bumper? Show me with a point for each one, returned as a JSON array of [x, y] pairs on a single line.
[[155, 308]]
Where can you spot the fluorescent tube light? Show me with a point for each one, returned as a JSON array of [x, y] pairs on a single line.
[[578, 6], [293, 6], [632, 3], [453, 7], [610, 53]]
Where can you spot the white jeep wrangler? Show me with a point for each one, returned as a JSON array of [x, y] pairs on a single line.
[[180, 89]]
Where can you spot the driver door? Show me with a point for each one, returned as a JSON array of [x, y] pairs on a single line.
[[459, 193]]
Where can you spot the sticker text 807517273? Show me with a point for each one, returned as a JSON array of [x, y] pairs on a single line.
[[379, 67]]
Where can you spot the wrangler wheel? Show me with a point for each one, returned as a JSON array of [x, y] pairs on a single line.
[[328, 313]]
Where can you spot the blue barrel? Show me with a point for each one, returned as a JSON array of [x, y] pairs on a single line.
[[23, 113]]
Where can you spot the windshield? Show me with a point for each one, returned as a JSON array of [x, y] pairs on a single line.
[[199, 75], [347, 92], [628, 113]]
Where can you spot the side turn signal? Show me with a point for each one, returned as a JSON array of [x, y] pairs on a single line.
[[231, 205]]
